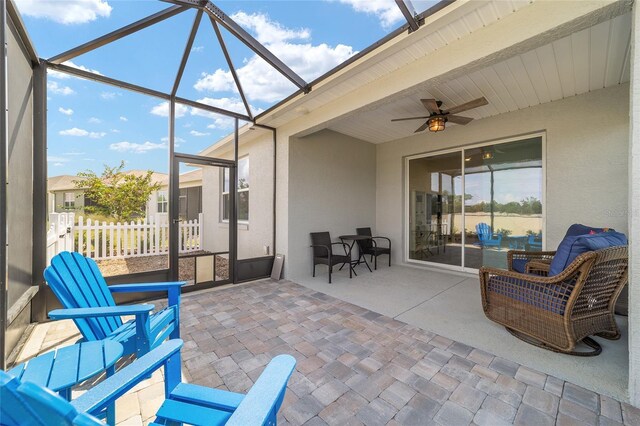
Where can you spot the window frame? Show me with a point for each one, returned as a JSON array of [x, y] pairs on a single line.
[[164, 203], [72, 202], [224, 212]]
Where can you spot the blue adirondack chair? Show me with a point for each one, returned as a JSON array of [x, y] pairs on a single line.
[[535, 241], [86, 298], [29, 404], [486, 238]]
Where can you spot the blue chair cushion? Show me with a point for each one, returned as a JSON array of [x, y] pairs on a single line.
[[551, 298], [519, 265], [574, 245]]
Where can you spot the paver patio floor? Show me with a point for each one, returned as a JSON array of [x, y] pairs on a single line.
[[357, 367]]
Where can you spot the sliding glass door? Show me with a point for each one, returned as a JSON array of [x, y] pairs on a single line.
[[493, 192]]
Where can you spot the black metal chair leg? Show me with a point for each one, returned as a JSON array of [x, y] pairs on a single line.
[[330, 270], [375, 264], [389, 257], [314, 270]]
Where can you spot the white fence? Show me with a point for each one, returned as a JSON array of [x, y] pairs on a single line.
[[102, 240]]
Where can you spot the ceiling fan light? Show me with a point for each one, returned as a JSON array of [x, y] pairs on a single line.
[[436, 124]]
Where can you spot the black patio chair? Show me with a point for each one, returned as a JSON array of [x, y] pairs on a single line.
[[371, 248], [323, 253]]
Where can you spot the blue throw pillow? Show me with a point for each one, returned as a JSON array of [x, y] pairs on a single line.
[[573, 246], [579, 229]]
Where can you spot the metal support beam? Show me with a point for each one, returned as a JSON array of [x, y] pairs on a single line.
[[213, 109], [20, 28], [38, 307], [4, 177], [231, 67], [107, 80], [246, 38], [233, 205], [174, 197], [118, 34], [187, 52], [409, 13]]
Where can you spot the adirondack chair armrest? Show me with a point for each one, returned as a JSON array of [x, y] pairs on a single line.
[[111, 311], [263, 399], [103, 394], [145, 287]]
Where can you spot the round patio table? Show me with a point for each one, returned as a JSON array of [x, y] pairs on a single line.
[[63, 368], [353, 239]]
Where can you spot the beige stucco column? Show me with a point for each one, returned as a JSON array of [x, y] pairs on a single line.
[[634, 213]]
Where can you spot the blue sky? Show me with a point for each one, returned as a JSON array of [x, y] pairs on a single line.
[[91, 124]]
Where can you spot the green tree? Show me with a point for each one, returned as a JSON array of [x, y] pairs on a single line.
[[115, 193]]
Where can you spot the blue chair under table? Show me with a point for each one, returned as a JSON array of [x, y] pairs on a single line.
[[81, 289], [25, 403], [486, 238]]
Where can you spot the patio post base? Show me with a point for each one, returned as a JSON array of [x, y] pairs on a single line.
[[597, 349]]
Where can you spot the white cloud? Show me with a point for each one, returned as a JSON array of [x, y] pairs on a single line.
[[198, 134], [65, 111], [89, 159], [197, 48], [176, 139], [58, 89], [73, 153], [67, 11], [56, 159], [115, 131], [95, 120], [123, 118], [82, 133], [220, 121], [386, 10], [64, 76], [109, 95], [58, 164], [136, 148], [260, 81], [268, 31], [162, 110]]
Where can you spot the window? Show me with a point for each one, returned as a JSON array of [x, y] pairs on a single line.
[[69, 200], [243, 191], [163, 202]]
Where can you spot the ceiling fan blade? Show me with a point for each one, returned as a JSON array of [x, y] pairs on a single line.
[[469, 105], [409, 118], [431, 105], [458, 119], [421, 128]]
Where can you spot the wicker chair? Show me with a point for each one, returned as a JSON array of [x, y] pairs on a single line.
[[323, 253], [560, 311]]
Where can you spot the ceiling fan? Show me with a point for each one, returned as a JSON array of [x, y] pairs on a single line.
[[437, 118]]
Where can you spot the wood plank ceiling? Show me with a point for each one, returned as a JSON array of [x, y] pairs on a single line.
[[588, 60]]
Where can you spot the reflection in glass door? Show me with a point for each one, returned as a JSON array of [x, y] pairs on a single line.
[[201, 226], [435, 208], [503, 201], [493, 193]]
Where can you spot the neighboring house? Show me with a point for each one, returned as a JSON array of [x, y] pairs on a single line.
[[64, 196]]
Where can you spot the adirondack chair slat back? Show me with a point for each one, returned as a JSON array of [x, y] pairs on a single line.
[[78, 283], [484, 231], [30, 404]]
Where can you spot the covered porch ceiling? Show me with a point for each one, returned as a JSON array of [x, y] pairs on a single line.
[[588, 51]]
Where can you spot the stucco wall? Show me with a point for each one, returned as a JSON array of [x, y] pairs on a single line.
[[586, 161], [258, 232], [331, 188]]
